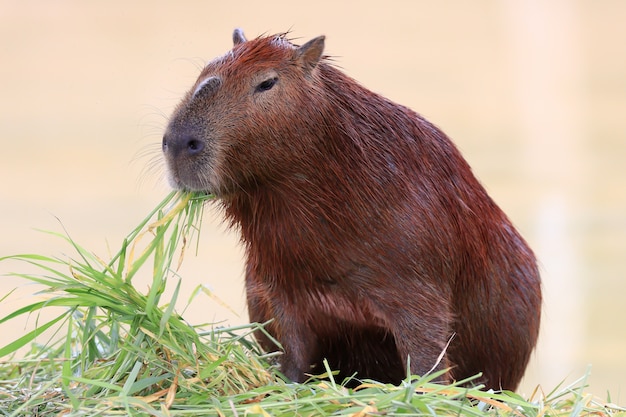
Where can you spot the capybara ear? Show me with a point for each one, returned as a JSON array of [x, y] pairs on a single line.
[[310, 53], [238, 36]]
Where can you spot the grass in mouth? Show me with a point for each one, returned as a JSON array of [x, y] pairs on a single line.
[[116, 351]]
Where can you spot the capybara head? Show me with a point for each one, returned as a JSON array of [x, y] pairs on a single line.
[[234, 127]]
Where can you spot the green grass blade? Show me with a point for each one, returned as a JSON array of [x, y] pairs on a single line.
[[130, 381], [30, 336], [165, 318]]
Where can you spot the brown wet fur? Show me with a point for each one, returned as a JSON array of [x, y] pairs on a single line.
[[368, 239]]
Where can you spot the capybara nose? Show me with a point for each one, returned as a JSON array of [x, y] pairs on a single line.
[[186, 144]]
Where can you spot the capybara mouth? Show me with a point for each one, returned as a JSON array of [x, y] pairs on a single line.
[[185, 182]]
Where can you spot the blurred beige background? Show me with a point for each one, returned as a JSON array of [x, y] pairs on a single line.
[[533, 92]]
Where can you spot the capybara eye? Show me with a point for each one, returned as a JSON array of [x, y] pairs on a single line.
[[267, 84]]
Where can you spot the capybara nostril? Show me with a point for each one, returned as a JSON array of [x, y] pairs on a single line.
[[175, 144]]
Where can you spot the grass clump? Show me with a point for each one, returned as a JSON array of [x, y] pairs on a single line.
[[117, 351], [116, 344]]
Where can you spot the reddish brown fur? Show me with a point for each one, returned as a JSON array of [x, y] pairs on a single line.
[[368, 239]]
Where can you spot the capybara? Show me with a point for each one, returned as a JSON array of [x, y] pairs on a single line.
[[368, 240]]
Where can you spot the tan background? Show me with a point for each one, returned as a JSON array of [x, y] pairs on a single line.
[[533, 92]]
